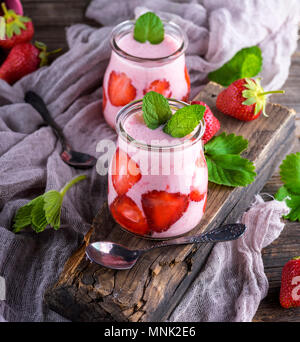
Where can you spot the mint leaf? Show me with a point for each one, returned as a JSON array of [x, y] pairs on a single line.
[[156, 109], [226, 144], [149, 27], [224, 163], [44, 210], [184, 121], [290, 173], [245, 63]]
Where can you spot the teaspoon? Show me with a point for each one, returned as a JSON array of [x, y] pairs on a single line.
[[73, 158], [118, 257]]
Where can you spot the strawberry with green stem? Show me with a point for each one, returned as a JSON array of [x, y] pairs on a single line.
[[18, 29], [244, 99], [23, 59], [290, 284]]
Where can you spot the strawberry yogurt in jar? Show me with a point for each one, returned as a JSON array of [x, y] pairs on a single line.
[[136, 68], [157, 183]]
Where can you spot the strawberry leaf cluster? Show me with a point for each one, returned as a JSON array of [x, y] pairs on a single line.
[[43, 210]]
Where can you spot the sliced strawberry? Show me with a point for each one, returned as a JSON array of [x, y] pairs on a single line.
[[104, 99], [187, 78], [128, 215], [195, 194], [162, 208], [125, 172], [200, 161], [120, 89], [160, 86]]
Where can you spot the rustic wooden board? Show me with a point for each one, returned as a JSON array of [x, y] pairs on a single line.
[[151, 290]]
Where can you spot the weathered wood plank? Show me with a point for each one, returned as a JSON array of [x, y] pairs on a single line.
[[150, 290]]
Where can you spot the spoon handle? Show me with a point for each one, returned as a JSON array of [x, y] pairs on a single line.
[[38, 104], [226, 232]]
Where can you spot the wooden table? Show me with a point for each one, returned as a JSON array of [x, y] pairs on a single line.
[[52, 16]]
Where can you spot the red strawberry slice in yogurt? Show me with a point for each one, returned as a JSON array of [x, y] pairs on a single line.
[[160, 86], [162, 208], [197, 193], [120, 89], [127, 214], [188, 82], [125, 172]]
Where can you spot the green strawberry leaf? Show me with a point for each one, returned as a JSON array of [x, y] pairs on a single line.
[[290, 173], [149, 27], [22, 218], [38, 217], [52, 207], [226, 144], [282, 194], [156, 109], [184, 121], [245, 63], [292, 201], [224, 163], [230, 170], [294, 204]]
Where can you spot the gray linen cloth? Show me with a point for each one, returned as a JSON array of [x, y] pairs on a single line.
[[71, 87]]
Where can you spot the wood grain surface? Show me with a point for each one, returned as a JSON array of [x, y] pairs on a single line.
[[52, 16]]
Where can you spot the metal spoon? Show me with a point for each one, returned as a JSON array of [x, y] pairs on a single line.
[[118, 257], [73, 158]]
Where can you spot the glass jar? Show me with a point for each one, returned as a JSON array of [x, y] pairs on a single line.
[[157, 190], [136, 68]]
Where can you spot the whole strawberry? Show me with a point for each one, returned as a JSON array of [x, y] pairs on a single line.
[[18, 29], [22, 60], [290, 284], [244, 99], [212, 124]]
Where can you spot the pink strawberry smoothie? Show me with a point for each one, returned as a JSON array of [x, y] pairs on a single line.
[[132, 72], [169, 188]]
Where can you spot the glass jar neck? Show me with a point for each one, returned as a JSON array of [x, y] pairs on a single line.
[[127, 27], [134, 108]]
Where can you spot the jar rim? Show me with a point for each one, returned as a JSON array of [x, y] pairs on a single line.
[[135, 106], [130, 23]]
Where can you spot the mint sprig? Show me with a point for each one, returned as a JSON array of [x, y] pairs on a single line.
[[290, 191], [149, 27], [156, 109], [184, 121], [224, 163], [245, 63], [43, 210]]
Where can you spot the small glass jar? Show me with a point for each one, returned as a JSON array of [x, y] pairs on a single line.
[[157, 190], [130, 75]]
